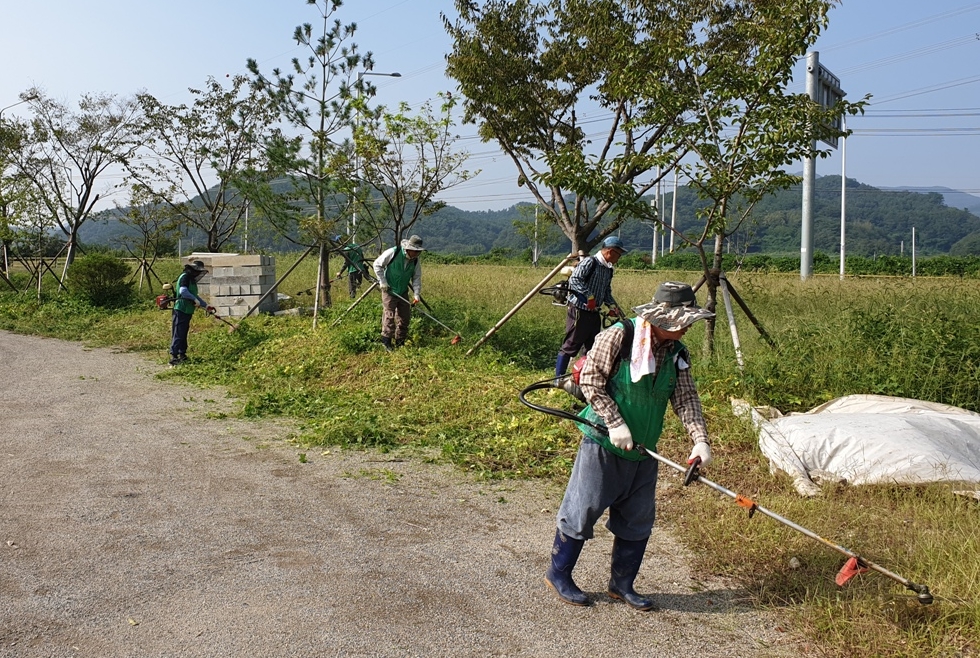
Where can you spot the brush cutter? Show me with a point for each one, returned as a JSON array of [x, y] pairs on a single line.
[[855, 563], [456, 337], [165, 301], [557, 292], [560, 292]]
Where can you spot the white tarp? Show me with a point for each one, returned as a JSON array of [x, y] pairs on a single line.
[[867, 439]]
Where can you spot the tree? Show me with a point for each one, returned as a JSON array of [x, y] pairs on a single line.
[[745, 127], [540, 235], [315, 101], [408, 160], [65, 153], [157, 225], [191, 155], [31, 238], [15, 190], [695, 84], [529, 70]]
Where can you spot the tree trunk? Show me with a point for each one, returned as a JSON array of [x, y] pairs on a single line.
[[69, 257], [712, 281], [323, 285]]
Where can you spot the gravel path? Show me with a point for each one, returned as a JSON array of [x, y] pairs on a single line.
[[136, 520]]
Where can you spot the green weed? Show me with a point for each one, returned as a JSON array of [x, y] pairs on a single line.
[[913, 338]]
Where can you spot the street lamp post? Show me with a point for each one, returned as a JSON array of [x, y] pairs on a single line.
[[361, 74], [26, 99]]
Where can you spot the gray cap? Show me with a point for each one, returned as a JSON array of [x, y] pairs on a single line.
[[614, 242]]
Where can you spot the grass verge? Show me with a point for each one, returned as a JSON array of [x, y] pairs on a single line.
[[913, 338]]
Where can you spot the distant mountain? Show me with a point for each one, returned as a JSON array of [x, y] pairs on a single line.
[[953, 198], [879, 222]]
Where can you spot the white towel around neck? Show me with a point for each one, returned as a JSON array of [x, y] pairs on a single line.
[[643, 361]]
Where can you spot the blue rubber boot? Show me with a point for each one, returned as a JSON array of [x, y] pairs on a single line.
[[564, 555], [561, 365], [626, 559]]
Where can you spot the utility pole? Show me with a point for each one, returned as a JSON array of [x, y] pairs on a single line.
[[661, 208], [357, 164], [843, 196], [913, 252], [246, 226], [534, 251], [673, 213], [809, 176]]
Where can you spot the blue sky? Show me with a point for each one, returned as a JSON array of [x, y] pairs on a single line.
[[921, 62]]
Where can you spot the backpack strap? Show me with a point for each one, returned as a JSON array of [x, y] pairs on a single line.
[[626, 349]]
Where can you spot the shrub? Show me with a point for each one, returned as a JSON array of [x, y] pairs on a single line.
[[101, 280]]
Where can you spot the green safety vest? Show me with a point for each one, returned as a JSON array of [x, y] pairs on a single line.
[[181, 304], [354, 259], [642, 404], [399, 272]]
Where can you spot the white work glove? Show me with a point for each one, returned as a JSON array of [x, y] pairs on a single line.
[[702, 450], [383, 285], [621, 437]]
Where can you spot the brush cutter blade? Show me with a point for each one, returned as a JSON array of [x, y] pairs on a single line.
[[455, 340], [850, 569]]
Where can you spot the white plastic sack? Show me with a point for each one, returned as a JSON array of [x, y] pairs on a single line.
[[867, 439]]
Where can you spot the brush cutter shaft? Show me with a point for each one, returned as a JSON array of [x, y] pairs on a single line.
[[423, 312], [752, 506], [351, 307], [214, 315]]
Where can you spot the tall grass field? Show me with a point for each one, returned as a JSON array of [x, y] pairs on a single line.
[[917, 338]]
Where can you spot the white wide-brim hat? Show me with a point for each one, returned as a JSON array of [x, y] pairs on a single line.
[[673, 308], [414, 243]]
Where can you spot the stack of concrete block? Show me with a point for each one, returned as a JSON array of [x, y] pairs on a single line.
[[235, 283]]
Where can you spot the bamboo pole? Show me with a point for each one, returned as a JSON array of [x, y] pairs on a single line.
[[723, 284], [275, 286], [524, 301], [351, 307]]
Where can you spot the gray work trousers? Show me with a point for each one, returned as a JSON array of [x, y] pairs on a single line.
[[395, 316], [601, 480]]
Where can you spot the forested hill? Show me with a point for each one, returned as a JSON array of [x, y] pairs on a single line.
[[879, 222]]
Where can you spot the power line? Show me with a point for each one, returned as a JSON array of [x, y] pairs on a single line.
[[923, 113], [906, 26], [928, 90], [917, 132], [912, 54]]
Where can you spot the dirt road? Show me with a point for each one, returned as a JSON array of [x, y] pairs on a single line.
[[136, 521]]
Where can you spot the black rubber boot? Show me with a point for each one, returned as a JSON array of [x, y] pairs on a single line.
[[561, 364], [386, 341], [626, 559], [564, 555]]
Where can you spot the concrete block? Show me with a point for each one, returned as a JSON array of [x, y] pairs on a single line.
[[236, 282]]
